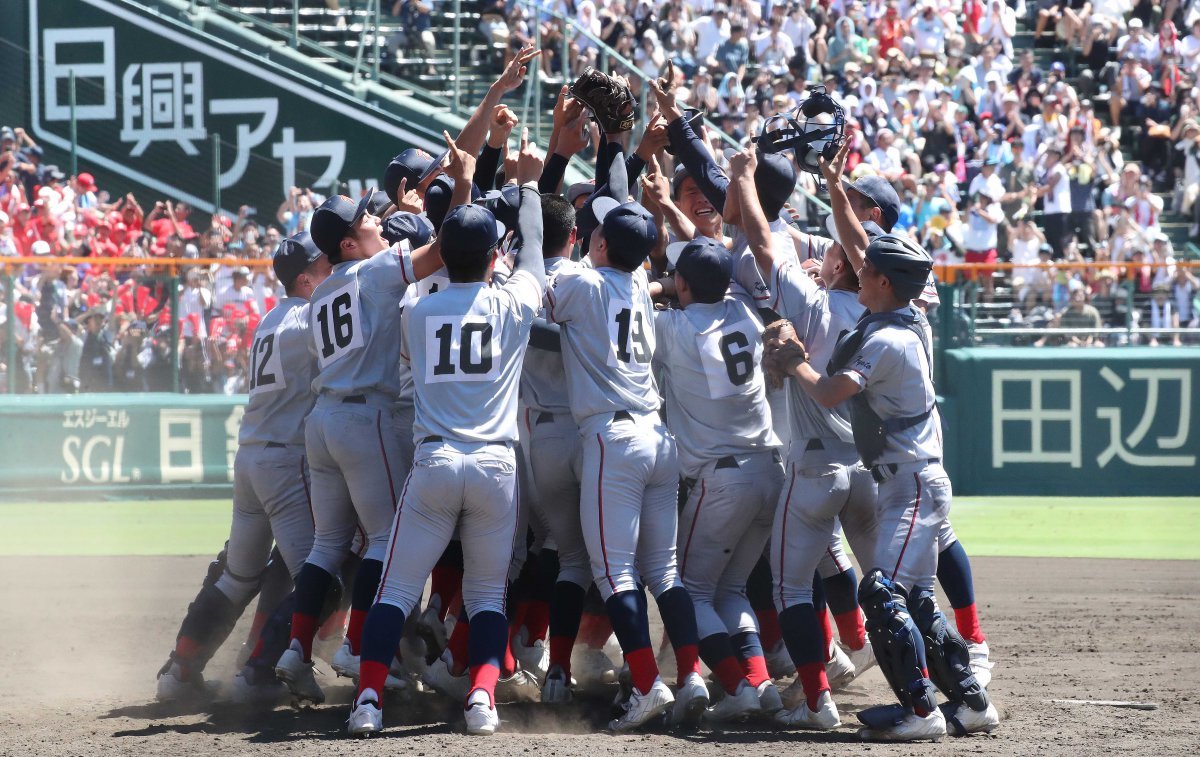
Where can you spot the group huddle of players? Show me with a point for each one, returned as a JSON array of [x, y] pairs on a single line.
[[559, 404]]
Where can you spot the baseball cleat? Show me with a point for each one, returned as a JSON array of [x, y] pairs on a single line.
[[592, 666], [298, 676], [432, 630], [838, 669], [535, 657], [257, 686], [397, 677], [909, 727], [769, 700], [481, 716], [557, 688], [779, 662], [366, 717], [345, 662], [825, 718], [981, 666], [691, 700], [737, 706], [961, 720], [174, 686], [862, 659], [439, 678], [643, 708], [519, 687]]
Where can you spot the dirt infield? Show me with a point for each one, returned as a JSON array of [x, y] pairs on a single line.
[[83, 637]]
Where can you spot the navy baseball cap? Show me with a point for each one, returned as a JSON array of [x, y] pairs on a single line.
[[410, 227], [681, 173], [333, 219], [379, 203], [438, 196], [505, 204], [880, 192], [293, 256], [414, 164], [774, 180], [706, 266], [470, 230], [629, 230]]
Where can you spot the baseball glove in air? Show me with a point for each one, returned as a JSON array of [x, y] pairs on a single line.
[[609, 99]]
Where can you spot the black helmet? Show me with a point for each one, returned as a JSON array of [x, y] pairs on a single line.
[[903, 261], [815, 128]]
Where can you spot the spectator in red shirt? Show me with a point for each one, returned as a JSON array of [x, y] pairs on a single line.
[[166, 220], [891, 30]]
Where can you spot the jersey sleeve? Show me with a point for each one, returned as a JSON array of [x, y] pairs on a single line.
[[747, 275], [877, 354], [569, 293], [525, 294], [387, 271], [792, 289]]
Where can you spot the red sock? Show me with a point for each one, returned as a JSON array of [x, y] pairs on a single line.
[[921, 711], [967, 620], [851, 630], [186, 652], [560, 652], [334, 626], [372, 675], [827, 634], [256, 627], [537, 620], [510, 662], [358, 619], [594, 630], [687, 659], [446, 583], [484, 677], [768, 628], [460, 637], [729, 673], [303, 628], [755, 670], [812, 678], [517, 619], [642, 668]]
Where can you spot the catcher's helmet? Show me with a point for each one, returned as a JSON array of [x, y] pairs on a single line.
[[813, 129], [903, 261]]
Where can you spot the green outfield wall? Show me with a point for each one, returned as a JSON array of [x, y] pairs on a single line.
[[1104, 422], [1072, 422]]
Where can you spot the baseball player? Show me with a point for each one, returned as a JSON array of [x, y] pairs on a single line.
[[465, 345], [883, 368], [716, 407], [353, 436], [629, 481], [825, 480], [270, 484]]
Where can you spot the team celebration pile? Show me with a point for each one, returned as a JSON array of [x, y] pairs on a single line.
[[554, 404]]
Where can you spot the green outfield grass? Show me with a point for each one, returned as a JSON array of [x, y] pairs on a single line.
[[1126, 527]]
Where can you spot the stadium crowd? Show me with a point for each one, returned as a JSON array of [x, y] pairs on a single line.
[[992, 157]]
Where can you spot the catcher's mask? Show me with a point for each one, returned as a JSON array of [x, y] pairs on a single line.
[[812, 130]]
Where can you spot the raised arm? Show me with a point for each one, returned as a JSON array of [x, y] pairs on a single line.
[[474, 133], [529, 215], [850, 231], [754, 221]]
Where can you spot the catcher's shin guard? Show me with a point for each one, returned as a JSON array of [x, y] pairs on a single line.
[[897, 642], [209, 621], [946, 653]]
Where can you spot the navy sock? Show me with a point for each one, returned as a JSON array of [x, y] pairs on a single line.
[[381, 634], [715, 648], [802, 634], [747, 645], [566, 609], [366, 584], [759, 586], [954, 574], [312, 584], [489, 636], [819, 602], [629, 624], [841, 592], [678, 616], [547, 561]]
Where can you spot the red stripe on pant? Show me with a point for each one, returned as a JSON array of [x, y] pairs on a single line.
[[600, 501], [695, 519], [392, 552], [383, 451], [783, 536], [912, 522]]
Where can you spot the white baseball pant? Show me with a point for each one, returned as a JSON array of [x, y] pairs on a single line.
[[913, 503], [556, 455]]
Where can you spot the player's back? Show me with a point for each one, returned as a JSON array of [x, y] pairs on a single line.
[[716, 399], [465, 345], [607, 339], [355, 321], [543, 376], [282, 368]]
